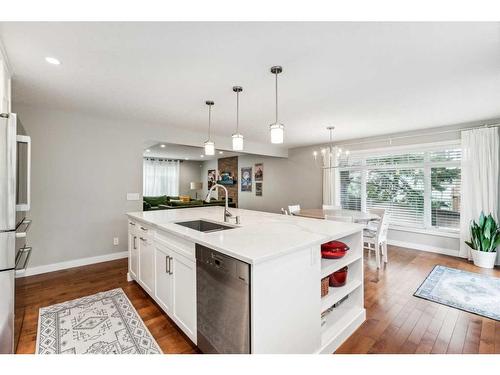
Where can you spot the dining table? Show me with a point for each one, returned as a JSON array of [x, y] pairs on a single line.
[[319, 213]]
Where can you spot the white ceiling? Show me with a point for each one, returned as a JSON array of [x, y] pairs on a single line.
[[182, 152], [365, 78]]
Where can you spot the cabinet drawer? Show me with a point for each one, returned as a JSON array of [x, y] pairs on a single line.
[[144, 231], [132, 226], [176, 243]]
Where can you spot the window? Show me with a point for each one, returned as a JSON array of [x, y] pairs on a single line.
[[419, 189], [350, 187], [400, 192], [160, 177]]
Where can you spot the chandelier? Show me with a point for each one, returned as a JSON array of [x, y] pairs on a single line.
[[331, 156]]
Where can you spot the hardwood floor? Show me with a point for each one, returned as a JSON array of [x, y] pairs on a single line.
[[396, 321], [55, 287]]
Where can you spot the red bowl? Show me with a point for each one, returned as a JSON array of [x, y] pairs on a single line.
[[338, 278], [333, 250]]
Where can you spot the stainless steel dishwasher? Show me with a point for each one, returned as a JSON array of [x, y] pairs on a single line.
[[223, 302]]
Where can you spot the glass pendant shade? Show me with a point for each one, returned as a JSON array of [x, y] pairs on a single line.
[[209, 148], [277, 133], [237, 142]]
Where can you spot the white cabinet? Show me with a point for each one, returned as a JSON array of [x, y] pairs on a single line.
[[146, 264], [133, 250], [165, 266], [163, 278], [184, 293], [133, 255]]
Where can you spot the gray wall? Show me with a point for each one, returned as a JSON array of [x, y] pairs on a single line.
[[82, 169], [190, 171], [295, 180]]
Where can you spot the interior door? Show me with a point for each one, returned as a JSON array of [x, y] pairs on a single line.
[[184, 287], [163, 278]]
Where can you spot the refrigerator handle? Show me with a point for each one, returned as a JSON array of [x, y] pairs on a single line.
[[27, 140], [22, 234]]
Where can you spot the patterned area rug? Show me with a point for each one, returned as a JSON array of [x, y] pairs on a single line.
[[471, 292], [103, 323]]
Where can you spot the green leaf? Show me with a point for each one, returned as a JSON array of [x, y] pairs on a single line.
[[485, 244], [481, 219], [487, 227], [471, 245]]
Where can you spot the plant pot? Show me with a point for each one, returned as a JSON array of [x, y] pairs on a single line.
[[483, 259]]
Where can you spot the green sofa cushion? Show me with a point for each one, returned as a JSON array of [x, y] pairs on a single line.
[[175, 203], [156, 201]]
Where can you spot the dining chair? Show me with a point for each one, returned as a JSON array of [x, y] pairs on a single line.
[[372, 224], [331, 207], [377, 239], [344, 219], [293, 208], [283, 211]]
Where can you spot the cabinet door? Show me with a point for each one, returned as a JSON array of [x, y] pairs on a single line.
[[133, 254], [184, 289], [146, 264], [163, 278]]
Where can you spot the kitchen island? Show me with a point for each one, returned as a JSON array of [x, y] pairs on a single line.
[[287, 312]]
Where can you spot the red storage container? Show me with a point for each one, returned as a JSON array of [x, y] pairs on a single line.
[[339, 278], [333, 250]]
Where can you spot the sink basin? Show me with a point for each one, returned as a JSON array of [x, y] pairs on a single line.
[[204, 226]]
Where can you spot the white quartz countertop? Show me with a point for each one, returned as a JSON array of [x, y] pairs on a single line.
[[260, 236]]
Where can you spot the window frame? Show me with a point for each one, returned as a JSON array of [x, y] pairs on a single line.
[[426, 165]]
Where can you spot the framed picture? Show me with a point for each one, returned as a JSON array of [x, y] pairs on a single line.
[[246, 179], [258, 189], [259, 172], [211, 178]]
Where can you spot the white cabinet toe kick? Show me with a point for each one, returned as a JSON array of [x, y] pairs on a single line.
[[287, 312]]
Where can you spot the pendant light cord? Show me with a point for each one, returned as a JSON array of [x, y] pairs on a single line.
[[237, 112], [276, 86], [209, 119]]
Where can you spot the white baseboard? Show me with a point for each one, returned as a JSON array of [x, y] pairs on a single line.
[[71, 263], [428, 248]]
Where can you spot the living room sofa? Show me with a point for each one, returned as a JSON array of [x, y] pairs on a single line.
[[165, 202]]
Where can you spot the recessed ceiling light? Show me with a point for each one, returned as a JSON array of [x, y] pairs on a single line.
[[186, 159], [221, 152], [52, 60], [162, 146], [148, 150], [202, 156]]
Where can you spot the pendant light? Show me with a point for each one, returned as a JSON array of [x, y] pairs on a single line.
[[209, 145], [276, 129], [237, 137]]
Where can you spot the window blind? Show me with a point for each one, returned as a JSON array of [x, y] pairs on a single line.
[[445, 197], [400, 192], [350, 190]]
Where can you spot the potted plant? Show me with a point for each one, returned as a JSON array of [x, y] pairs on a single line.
[[485, 237]]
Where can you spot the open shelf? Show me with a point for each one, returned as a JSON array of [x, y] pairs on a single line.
[[336, 294], [338, 321], [329, 266]]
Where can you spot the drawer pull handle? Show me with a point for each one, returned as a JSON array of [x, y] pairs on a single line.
[[142, 239], [144, 229], [170, 266], [133, 224]]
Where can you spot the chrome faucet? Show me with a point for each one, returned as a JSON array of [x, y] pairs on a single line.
[[227, 214]]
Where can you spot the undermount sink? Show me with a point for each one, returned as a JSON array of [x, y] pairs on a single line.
[[204, 226]]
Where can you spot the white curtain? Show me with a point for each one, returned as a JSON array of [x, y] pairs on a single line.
[[160, 177], [331, 177], [480, 167]]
